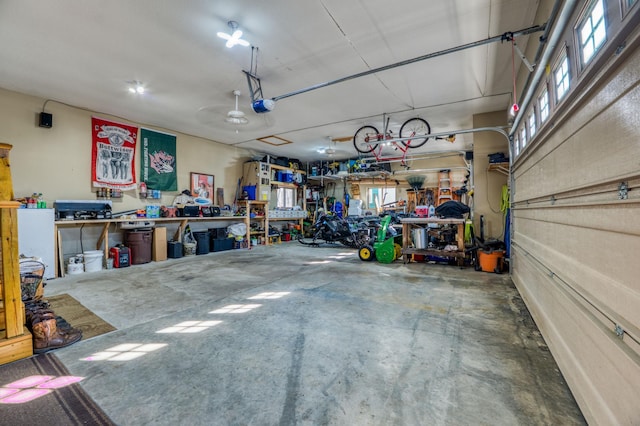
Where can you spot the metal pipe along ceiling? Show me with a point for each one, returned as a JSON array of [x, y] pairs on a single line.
[[502, 37], [556, 33]]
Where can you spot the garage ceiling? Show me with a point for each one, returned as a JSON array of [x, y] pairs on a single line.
[[85, 54]]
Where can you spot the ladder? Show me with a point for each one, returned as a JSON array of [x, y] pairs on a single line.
[[444, 186]]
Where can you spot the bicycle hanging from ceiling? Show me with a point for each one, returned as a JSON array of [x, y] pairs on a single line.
[[414, 133]]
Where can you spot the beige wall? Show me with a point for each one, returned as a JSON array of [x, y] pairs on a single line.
[[488, 185], [57, 161]]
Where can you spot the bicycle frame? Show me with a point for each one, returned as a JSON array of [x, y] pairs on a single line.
[[374, 141]]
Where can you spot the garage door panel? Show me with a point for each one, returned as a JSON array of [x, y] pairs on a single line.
[[598, 137], [571, 255], [593, 257], [601, 151], [571, 331], [618, 218], [615, 299]]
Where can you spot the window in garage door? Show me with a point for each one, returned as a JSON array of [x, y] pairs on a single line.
[[561, 76], [592, 31]]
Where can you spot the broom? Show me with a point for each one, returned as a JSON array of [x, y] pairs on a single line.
[[415, 181]]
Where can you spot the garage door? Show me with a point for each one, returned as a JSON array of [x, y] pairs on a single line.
[[576, 240]]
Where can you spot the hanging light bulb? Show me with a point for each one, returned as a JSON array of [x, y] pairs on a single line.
[[235, 36]]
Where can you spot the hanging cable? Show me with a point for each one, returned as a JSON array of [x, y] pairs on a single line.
[[513, 69], [514, 107]]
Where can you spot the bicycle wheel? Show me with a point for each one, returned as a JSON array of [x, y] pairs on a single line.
[[366, 139], [415, 127]]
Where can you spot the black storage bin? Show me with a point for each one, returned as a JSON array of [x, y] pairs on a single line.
[[218, 233], [202, 241], [222, 244], [174, 249]]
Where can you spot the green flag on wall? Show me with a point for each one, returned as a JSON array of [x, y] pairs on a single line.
[[158, 160]]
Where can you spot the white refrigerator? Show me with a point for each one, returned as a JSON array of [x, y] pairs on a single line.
[[36, 236]]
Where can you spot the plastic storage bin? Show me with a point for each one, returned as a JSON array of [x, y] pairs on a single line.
[[174, 249], [251, 191], [139, 241], [202, 240], [222, 244]]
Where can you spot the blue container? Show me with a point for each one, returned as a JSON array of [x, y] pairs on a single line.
[[288, 177], [251, 191]]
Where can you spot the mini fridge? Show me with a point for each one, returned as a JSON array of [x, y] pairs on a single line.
[[36, 236]]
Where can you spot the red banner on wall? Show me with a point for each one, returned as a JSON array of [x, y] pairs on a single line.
[[113, 154]]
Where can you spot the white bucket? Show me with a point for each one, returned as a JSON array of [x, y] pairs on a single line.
[[75, 268], [93, 260]]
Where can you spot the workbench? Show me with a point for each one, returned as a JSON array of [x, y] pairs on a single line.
[[423, 222], [103, 240]]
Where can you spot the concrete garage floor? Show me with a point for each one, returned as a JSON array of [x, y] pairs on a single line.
[[289, 334]]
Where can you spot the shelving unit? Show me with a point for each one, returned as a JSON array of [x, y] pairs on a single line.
[[252, 206], [265, 177], [499, 167], [102, 242]]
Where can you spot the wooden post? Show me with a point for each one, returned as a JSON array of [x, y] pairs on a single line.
[[11, 293], [15, 340]]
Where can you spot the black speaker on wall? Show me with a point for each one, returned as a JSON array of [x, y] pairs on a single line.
[[468, 155], [46, 120]]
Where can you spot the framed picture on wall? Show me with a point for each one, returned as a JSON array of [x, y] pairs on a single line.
[[202, 187]]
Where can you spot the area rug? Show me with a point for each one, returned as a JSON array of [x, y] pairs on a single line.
[[79, 316], [40, 390]]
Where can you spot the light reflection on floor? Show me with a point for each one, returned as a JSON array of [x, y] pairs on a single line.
[[124, 352], [130, 351], [32, 387], [189, 327], [235, 309], [269, 295], [336, 256]]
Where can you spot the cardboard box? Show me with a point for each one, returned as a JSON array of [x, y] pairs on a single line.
[[159, 245]]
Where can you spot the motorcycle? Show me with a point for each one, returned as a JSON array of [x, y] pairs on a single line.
[[334, 229]]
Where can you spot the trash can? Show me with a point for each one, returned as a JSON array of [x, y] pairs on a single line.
[[419, 238], [139, 241], [202, 240]]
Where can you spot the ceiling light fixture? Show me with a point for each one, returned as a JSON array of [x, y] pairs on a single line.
[[235, 36], [136, 87], [236, 116]]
